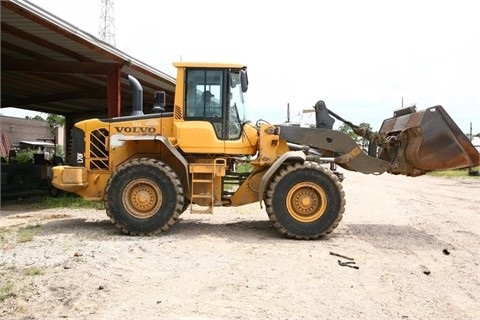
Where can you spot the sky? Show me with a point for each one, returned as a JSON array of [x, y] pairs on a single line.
[[363, 58]]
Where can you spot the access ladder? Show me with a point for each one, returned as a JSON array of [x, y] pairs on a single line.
[[203, 178]]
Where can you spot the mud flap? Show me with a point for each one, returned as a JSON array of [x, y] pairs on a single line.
[[424, 141]]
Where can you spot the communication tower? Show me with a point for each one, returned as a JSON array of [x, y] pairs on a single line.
[[107, 22]]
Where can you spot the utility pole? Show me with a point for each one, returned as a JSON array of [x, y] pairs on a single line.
[[107, 22]]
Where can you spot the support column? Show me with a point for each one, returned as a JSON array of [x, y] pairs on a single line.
[[114, 92]]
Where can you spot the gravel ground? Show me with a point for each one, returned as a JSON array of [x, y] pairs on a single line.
[[414, 244]]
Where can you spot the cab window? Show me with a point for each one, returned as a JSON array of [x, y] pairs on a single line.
[[210, 97], [204, 94]]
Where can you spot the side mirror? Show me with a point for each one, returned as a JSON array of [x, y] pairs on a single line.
[[244, 80]]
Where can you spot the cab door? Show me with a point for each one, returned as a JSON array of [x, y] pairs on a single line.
[[207, 114]]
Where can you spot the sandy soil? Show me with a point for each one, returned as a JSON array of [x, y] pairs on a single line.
[[414, 241]]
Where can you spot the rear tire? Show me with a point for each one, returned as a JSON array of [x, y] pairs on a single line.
[[54, 192], [144, 197], [305, 201]]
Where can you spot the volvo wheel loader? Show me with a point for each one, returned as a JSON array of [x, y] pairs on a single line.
[[150, 168]]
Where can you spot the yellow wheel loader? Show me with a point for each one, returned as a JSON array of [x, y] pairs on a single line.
[[150, 168]]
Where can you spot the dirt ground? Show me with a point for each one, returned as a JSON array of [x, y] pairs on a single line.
[[414, 241]]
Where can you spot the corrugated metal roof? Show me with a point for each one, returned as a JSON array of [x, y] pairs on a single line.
[[51, 66]]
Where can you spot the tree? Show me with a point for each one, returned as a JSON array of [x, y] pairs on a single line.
[[361, 141], [364, 142], [347, 130], [55, 121]]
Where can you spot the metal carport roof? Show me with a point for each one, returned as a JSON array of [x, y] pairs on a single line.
[[51, 66]]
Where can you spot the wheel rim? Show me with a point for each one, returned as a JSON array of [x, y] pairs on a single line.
[[306, 202], [142, 198]]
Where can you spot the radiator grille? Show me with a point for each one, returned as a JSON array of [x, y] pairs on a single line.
[[98, 150]]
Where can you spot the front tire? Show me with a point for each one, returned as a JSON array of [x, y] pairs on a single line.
[[144, 197], [305, 201]]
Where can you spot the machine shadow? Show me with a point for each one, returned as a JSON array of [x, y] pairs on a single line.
[[182, 229], [397, 237]]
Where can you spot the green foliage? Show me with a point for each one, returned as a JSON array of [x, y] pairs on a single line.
[[6, 291], [347, 130], [362, 142], [68, 200], [26, 234], [33, 271], [37, 117], [24, 156], [59, 151], [366, 125], [55, 121], [3, 238], [65, 200], [459, 173]]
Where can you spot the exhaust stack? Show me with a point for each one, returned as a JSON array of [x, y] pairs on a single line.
[[137, 96]]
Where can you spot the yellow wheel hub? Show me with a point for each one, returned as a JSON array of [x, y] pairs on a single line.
[[306, 202], [142, 198]]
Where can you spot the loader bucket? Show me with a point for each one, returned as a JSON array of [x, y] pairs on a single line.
[[427, 140]]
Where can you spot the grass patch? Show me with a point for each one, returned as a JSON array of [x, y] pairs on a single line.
[[68, 201], [27, 233], [33, 271], [6, 291], [65, 200], [3, 237], [460, 173]]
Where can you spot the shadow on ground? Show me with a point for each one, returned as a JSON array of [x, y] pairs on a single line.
[[182, 229], [399, 237]]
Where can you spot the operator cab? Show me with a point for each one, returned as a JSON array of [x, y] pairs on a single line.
[[216, 95]]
